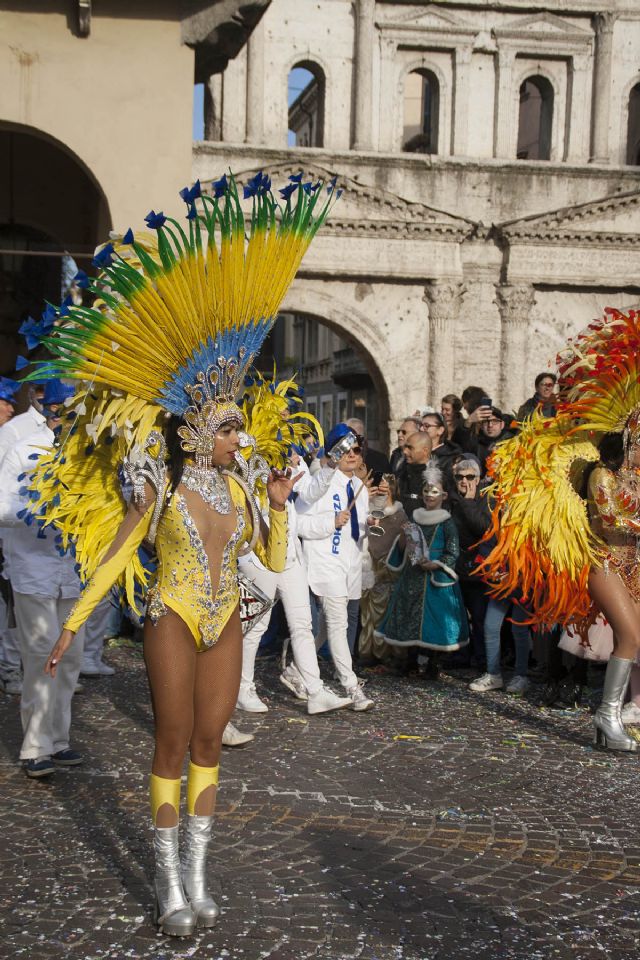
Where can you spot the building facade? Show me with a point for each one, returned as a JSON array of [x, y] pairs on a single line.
[[489, 159]]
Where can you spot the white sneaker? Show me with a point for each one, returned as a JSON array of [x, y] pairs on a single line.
[[359, 700], [11, 682], [517, 686], [232, 737], [488, 681], [293, 681], [249, 700], [324, 700], [96, 668], [630, 713]]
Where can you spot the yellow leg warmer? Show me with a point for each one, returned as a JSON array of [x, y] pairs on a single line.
[[163, 791], [198, 779]]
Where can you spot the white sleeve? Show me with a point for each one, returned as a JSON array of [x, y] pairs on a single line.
[[311, 486], [7, 439], [10, 500], [316, 526]]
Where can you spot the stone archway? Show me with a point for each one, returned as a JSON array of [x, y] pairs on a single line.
[[51, 206], [358, 331]]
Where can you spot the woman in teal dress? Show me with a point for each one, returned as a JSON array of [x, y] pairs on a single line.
[[426, 608]]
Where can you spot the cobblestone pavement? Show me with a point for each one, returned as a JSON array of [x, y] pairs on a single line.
[[440, 825]]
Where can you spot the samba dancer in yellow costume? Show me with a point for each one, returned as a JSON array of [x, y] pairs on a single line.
[[178, 319], [567, 505]]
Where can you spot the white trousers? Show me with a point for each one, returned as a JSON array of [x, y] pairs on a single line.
[[9, 642], [292, 588], [95, 630], [45, 708], [336, 616]]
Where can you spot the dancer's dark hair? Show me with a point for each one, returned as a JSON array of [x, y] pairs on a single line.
[[174, 450], [611, 448]]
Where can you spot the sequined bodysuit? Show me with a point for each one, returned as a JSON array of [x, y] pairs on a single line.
[[613, 515], [198, 582]]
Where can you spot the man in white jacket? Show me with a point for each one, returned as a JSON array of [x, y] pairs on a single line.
[[333, 531], [45, 588], [292, 588]]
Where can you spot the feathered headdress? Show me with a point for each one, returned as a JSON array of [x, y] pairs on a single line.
[[178, 317], [542, 543]]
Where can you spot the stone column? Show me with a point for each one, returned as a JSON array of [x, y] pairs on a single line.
[[514, 303], [444, 299], [391, 109], [578, 149], [505, 117], [603, 24], [363, 62], [255, 86], [213, 107], [461, 100]]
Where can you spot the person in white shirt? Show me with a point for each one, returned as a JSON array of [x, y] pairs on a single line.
[[10, 668], [26, 424], [333, 531], [292, 588], [45, 588]]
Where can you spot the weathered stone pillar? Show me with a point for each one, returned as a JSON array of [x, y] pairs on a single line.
[[255, 86], [461, 100], [504, 134], [363, 87], [514, 303], [603, 24], [444, 299], [391, 118], [578, 147], [213, 107]]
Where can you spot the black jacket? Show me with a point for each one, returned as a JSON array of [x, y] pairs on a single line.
[[397, 460], [376, 461], [486, 445], [472, 518], [527, 408], [410, 484], [443, 456]]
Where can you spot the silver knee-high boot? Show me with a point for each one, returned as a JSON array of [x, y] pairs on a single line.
[[173, 914], [609, 730], [194, 866]]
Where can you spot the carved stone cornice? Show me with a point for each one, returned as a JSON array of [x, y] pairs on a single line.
[[399, 229], [367, 211], [564, 225], [544, 31], [515, 301], [432, 25]]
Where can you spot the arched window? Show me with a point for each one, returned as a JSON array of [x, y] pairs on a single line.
[[535, 119], [421, 112], [306, 91], [633, 127]]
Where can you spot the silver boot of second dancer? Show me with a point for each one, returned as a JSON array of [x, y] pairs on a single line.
[[609, 729], [173, 913], [194, 870]]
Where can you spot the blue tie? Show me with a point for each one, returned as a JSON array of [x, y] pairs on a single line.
[[355, 526]]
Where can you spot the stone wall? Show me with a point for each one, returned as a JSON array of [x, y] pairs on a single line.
[[476, 265]]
